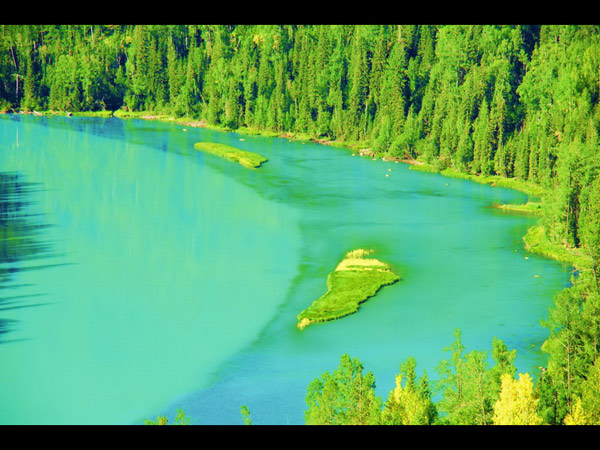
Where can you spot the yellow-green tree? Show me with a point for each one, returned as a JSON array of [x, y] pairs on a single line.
[[409, 403], [180, 419], [160, 420], [517, 404], [577, 415]]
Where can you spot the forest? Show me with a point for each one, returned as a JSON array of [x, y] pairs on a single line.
[[519, 102]]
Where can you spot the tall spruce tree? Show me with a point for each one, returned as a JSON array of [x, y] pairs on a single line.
[[344, 397]]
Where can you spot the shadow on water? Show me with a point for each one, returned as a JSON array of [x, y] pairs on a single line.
[[20, 243], [136, 131]]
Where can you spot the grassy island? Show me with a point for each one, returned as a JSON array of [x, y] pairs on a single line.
[[243, 157], [354, 280]]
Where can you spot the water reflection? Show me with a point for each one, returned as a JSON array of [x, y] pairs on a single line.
[[20, 241]]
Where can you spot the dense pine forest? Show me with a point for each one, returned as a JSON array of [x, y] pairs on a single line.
[[517, 102]]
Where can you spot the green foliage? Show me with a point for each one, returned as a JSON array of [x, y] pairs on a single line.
[[590, 394], [573, 347], [354, 281], [410, 402], [469, 391], [468, 386], [180, 419], [530, 208], [589, 223], [245, 158], [160, 420], [537, 241], [344, 397], [245, 412], [346, 290]]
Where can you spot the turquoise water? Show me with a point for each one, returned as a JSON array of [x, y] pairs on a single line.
[[174, 277]]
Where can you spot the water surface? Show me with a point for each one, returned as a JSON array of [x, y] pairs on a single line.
[[174, 277]]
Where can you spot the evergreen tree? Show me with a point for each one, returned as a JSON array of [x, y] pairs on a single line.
[[566, 364], [358, 87], [482, 142], [589, 220], [469, 388], [344, 397], [410, 402]]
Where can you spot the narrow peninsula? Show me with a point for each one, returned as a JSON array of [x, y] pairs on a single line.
[[355, 279], [243, 157]]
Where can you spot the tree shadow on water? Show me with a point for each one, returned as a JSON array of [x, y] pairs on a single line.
[[20, 243]]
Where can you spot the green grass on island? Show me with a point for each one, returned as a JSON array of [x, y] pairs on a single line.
[[529, 208], [354, 280], [243, 157]]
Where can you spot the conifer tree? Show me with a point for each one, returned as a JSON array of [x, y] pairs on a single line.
[[468, 386], [344, 397], [482, 142], [590, 393], [30, 100], [567, 357], [589, 220], [358, 72], [409, 403]]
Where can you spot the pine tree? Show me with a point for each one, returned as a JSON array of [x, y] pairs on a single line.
[[139, 68], [468, 386], [410, 402], [358, 86], [344, 397], [567, 361], [590, 393], [589, 220], [482, 142], [30, 99], [175, 75], [394, 87], [504, 363]]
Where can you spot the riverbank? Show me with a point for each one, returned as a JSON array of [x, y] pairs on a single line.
[[535, 240], [355, 279]]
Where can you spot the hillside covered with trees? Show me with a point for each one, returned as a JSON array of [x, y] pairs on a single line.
[[519, 102]]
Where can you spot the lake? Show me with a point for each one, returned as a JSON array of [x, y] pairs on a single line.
[[155, 277]]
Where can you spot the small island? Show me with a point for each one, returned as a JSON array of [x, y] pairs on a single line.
[[243, 157], [531, 208], [355, 279]]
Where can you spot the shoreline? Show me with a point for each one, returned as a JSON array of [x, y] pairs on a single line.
[[532, 239]]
